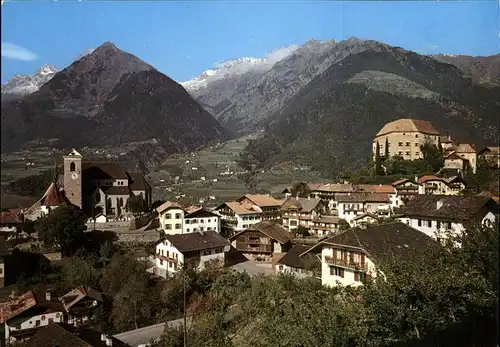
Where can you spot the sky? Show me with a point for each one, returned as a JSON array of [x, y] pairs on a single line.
[[182, 39]]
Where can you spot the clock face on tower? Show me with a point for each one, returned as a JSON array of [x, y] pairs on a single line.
[[74, 175]]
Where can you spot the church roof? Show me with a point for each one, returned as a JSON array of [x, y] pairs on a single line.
[[408, 125], [53, 196], [103, 170]]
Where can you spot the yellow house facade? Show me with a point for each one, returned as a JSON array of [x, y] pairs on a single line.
[[404, 138]]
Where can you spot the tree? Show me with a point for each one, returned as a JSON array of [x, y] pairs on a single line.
[[343, 225], [386, 156], [226, 229], [301, 231], [137, 204], [432, 156], [301, 190], [378, 161], [64, 227]]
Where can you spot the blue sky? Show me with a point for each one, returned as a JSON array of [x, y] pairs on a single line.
[[182, 39]]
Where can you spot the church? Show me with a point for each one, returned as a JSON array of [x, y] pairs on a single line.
[[97, 187]]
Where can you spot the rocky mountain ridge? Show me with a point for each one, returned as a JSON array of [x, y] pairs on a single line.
[[109, 98], [20, 85]]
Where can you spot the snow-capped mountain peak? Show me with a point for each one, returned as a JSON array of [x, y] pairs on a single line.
[[46, 70], [20, 85], [237, 67]]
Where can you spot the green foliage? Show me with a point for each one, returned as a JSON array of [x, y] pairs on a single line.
[[301, 190], [343, 225], [64, 227], [386, 152], [300, 231], [433, 156], [137, 204], [378, 162], [28, 226], [485, 179]]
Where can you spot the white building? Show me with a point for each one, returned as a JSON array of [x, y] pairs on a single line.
[[194, 250], [175, 219], [201, 220], [357, 254], [308, 265], [434, 185], [352, 205], [240, 215], [436, 214]]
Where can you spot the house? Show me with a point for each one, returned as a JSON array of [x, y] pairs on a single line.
[[490, 156], [434, 214], [80, 303], [305, 266], [405, 189], [404, 138], [194, 250], [434, 185], [101, 186], [270, 206], [260, 241], [50, 200], [446, 142], [496, 198], [365, 219], [301, 212], [453, 160], [201, 219], [240, 215], [351, 257], [171, 217], [324, 225], [11, 221], [468, 153], [352, 205], [67, 335], [176, 219], [22, 316], [328, 191], [4, 252]]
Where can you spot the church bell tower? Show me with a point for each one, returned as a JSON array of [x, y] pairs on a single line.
[[73, 177]]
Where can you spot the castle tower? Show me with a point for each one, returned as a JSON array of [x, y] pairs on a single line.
[[73, 177]]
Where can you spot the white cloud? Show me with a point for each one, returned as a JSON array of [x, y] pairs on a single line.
[[85, 52], [280, 53], [434, 47], [12, 51]]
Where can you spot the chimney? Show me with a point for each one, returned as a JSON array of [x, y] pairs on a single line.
[[109, 342], [439, 204], [47, 295], [103, 337]]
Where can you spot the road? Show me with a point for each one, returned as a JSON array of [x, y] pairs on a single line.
[[142, 336]]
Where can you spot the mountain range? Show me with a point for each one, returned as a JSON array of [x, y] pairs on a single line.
[[110, 98], [317, 104]]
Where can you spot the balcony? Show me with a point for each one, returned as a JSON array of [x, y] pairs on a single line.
[[346, 263], [169, 259]]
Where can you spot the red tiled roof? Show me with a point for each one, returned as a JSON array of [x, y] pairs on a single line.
[[53, 196], [10, 218]]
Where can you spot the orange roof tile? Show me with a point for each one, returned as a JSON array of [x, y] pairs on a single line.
[[261, 200], [166, 205]]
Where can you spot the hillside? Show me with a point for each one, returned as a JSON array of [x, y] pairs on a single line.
[[110, 98], [330, 122]]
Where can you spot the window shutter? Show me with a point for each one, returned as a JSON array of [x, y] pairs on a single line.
[[362, 259], [342, 273]]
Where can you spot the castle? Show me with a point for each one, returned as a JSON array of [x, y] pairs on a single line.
[[96, 187]]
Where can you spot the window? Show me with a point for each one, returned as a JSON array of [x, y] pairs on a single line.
[[448, 225], [187, 230], [245, 218], [209, 220], [177, 226], [186, 221], [37, 323], [202, 221], [72, 167], [408, 144], [177, 216], [209, 228], [407, 153], [416, 136], [416, 144], [429, 223], [245, 225], [194, 221], [438, 224], [400, 153], [336, 271], [161, 261], [168, 216], [168, 226], [400, 144], [419, 222]]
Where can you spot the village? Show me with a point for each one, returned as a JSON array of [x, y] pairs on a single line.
[[339, 233]]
